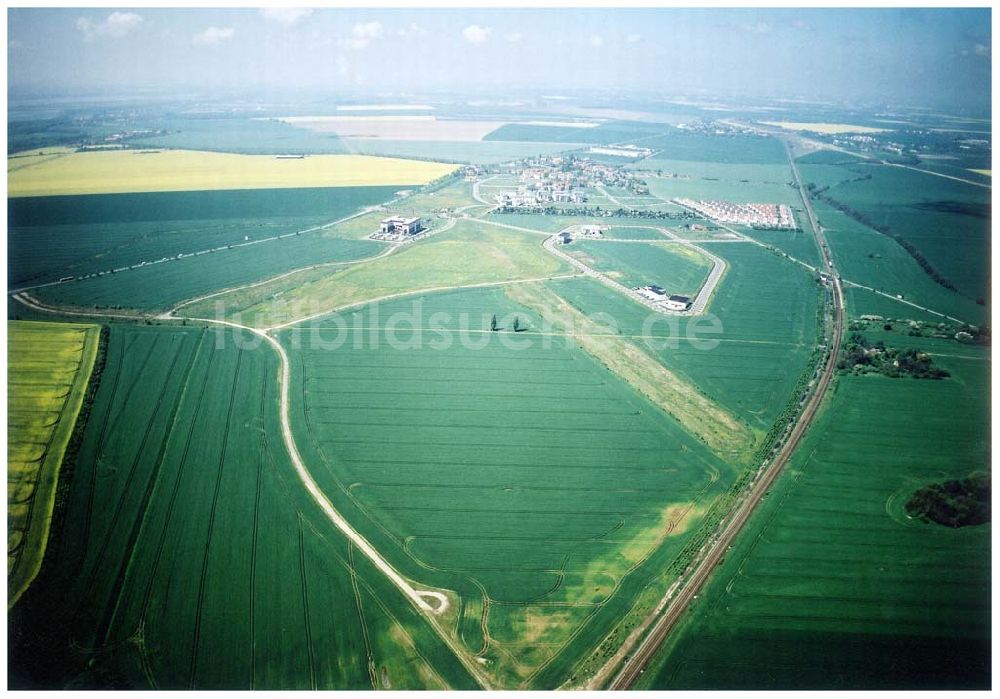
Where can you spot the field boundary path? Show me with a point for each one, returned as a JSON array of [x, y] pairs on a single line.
[[674, 603], [418, 598]]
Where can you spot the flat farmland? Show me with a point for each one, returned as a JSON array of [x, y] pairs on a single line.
[[576, 132], [529, 480], [193, 558], [238, 135], [397, 127], [677, 268], [677, 144], [109, 172], [48, 368], [832, 586], [53, 237], [864, 302], [946, 220], [763, 173], [469, 253], [473, 152], [159, 287], [799, 244], [870, 258], [766, 309], [734, 190]]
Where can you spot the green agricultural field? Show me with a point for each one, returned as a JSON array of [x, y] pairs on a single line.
[[832, 586], [799, 244], [634, 232], [160, 287], [53, 237], [607, 132], [864, 302], [946, 220], [237, 135], [454, 194], [677, 268], [877, 261], [470, 253], [763, 173], [766, 308], [733, 190], [677, 144], [525, 477], [473, 152], [48, 370], [539, 222], [192, 557]]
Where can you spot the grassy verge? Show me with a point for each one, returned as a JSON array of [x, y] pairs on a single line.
[[682, 400]]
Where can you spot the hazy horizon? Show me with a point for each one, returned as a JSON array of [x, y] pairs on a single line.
[[893, 57]]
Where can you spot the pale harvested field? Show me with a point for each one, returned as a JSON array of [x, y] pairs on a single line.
[[384, 107], [823, 128], [562, 124], [114, 172], [397, 127]]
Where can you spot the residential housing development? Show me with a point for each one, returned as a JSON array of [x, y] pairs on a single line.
[[558, 179], [753, 215]]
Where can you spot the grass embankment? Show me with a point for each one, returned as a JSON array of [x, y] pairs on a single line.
[[49, 366], [681, 399], [110, 172]]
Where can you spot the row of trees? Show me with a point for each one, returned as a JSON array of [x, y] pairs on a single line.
[[865, 220], [517, 324]]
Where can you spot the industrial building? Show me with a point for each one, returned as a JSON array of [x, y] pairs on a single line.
[[652, 292], [678, 303], [400, 226]]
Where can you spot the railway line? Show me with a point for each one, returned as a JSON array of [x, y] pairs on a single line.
[[673, 609]]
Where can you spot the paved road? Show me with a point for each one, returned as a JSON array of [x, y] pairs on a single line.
[[477, 195], [719, 266], [716, 549]]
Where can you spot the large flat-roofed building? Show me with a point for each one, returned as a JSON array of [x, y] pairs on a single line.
[[400, 226], [652, 292], [677, 303]]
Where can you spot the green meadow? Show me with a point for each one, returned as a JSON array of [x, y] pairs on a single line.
[[832, 585]]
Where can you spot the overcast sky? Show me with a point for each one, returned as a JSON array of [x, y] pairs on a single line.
[[903, 57]]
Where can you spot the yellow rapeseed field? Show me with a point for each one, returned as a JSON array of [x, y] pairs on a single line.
[[824, 128], [48, 368], [111, 172]]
